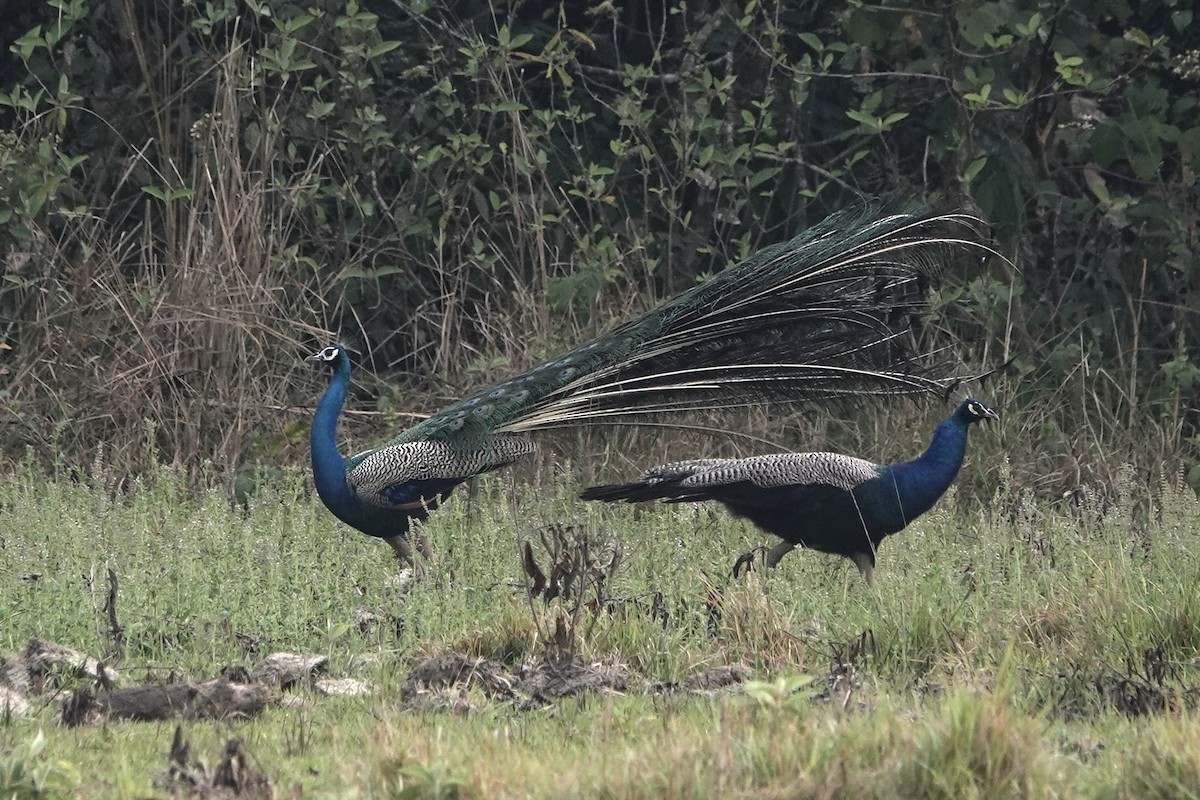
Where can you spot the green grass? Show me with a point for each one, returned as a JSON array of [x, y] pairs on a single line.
[[1025, 651]]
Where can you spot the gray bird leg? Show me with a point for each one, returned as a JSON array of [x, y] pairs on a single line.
[[403, 548], [866, 565], [770, 557]]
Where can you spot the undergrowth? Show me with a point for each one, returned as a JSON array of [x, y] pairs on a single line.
[[459, 190], [1014, 647]]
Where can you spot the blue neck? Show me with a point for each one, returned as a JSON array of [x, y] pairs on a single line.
[[329, 468], [920, 482]]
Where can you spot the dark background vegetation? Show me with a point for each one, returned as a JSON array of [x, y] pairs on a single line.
[[194, 195]]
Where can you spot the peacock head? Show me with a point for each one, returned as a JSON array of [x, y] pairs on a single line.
[[334, 356], [973, 410]]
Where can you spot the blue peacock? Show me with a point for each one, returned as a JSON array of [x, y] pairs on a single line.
[[824, 501], [826, 315]]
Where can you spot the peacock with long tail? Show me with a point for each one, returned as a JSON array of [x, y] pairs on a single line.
[[823, 501], [827, 315]]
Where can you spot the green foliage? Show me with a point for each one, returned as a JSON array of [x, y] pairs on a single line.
[[438, 180], [36, 170], [774, 693], [416, 782], [27, 773]]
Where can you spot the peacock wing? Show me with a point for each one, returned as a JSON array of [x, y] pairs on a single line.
[[398, 475], [793, 469], [657, 483], [679, 470], [767, 481], [775, 507]]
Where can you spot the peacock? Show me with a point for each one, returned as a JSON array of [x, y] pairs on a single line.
[[824, 501], [827, 315]]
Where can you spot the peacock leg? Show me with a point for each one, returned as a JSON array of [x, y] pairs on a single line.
[[770, 557], [423, 545], [402, 548], [866, 565], [745, 562], [777, 552]]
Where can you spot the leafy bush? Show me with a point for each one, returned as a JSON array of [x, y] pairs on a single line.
[[193, 197]]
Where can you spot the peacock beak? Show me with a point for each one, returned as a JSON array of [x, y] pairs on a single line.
[[990, 413], [314, 357]]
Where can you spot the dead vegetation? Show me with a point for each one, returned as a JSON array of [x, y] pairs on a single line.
[[446, 681], [234, 775], [455, 682]]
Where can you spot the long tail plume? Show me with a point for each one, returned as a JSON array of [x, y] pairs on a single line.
[[825, 315]]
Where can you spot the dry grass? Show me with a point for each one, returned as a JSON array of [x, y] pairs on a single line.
[[185, 330]]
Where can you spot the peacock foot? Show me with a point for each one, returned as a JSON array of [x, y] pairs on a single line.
[[745, 562], [770, 556]]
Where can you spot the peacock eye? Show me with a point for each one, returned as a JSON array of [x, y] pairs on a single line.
[[329, 353]]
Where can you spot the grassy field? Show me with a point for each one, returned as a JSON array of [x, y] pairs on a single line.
[[1022, 650]]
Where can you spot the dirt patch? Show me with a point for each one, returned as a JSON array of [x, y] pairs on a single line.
[[14, 675], [442, 681], [91, 692], [94, 693], [44, 667], [718, 678], [449, 670], [546, 679], [44, 661], [12, 702], [343, 687]]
